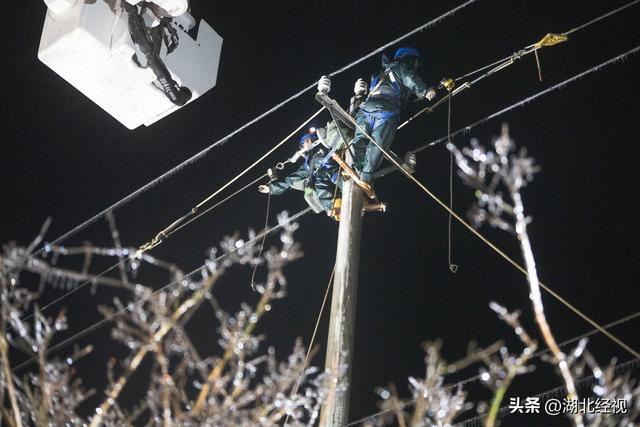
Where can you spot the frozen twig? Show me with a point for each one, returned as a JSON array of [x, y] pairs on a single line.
[[489, 172]]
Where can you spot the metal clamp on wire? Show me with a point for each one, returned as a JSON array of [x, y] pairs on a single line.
[[447, 83], [150, 245]]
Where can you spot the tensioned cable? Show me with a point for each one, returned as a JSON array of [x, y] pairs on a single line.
[[201, 154], [121, 262], [619, 369], [528, 99], [224, 139], [188, 218], [606, 15], [565, 343], [210, 208], [550, 39], [164, 233], [475, 378], [488, 242], [467, 128], [76, 289], [107, 319], [435, 142], [566, 33]]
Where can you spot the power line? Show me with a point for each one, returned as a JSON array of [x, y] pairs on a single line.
[[124, 260], [550, 39], [528, 99], [191, 216], [107, 319], [224, 139], [599, 18], [186, 219], [475, 378], [76, 289], [557, 392], [566, 33], [177, 225], [167, 231], [485, 240]]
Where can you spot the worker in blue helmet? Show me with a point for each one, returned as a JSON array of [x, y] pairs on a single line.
[[379, 115], [317, 176]]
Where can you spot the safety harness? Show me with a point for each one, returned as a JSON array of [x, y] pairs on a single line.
[[386, 85]]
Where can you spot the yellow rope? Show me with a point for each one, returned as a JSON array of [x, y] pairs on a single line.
[[167, 230], [495, 248], [313, 336]]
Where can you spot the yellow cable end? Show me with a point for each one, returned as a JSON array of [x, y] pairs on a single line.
[[551, 39]]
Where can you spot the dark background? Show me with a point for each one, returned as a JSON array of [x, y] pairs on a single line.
[[62, 156]]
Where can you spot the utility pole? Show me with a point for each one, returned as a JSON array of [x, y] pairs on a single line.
[[335, 411]]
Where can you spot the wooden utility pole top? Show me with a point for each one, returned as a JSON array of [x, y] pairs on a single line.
[[335, 411]]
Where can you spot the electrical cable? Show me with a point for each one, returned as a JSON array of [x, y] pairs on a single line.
[[528, 99], [489, 243], [135, 194], [475, 378], [416, 150], [557, 392], [86, 331], [122, 261], [548, 40]]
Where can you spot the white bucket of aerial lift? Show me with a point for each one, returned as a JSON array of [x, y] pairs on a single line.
[[87, 42]]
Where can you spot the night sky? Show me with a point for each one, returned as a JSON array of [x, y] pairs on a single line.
[[62, 156]]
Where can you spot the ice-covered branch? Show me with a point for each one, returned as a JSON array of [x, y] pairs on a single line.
[[490, 174]]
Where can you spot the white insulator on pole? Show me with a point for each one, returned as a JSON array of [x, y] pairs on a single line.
[[324, 84]]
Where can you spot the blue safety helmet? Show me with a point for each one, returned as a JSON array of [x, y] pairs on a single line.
[[311, 135], [403, 52]]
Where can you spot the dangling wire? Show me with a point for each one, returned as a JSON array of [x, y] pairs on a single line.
[[264, 237], [452, 267], [538, 65], [310, 348]]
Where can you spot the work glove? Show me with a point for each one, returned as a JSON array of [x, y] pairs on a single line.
[[324, 84], [431, 93], [263, 189], [360, 87], [410, 162], [272, 174]]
